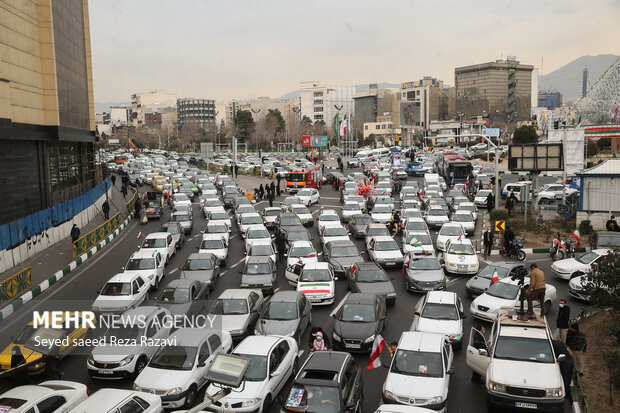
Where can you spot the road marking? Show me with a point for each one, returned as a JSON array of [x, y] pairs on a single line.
[[327, 197], [340, 304]]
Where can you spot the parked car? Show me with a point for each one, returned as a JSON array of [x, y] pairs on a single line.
[[308, 196], [480, 282], [118, 400], [573, 267], [286, 313], [605, 239], [49, 396]]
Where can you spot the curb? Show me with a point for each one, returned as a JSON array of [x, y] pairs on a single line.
[[58, 275], [538, 250]]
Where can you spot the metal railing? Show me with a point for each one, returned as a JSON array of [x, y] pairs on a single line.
[[83, 244], [15, 286]]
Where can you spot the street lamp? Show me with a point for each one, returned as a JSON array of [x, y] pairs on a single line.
[[256, 112]]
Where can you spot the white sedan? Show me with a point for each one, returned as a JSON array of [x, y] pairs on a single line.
[[385, 251], [308, 196], [450, 231], [381, 213], [481, 197], [301, 251], [316, 281], [469, 206], [574, 267], [328, 217], [62, 395], [436, 216], [252, 219], [460, 257], [466, 219], [349, 209]]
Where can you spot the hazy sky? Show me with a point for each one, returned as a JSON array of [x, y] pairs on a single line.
[[239, 49]]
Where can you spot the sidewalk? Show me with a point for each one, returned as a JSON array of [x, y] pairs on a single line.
[[59, 255]]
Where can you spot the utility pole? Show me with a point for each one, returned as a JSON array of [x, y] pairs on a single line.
[[338, 108]]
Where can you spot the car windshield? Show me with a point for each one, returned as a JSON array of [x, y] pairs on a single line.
[[301, 210], [154, 243], [212, 244], [524, 349], [436, 212], [415, 226], [335, 231], [503, 290], [488, 271], [588, 257], [140, 264], [181, 198], [483, 193], [216, 229], [469, 208], [116, 288], [257, 268], [417, 363], [230, 307], [261, 249], [387, 245], [128, 332], [258, 233], [463, 217], [425, 264], [344, 251], [377, 231], [315, 275], [277, 310], [304, 192], [301, 251], [252, 219], [358, 313], [172, 229], [291, 201], [273, 212], [423, 239], [329, 217], [179, 217], [174, 358], [213, 203], [292, 236], [289, 221], [371, 275], [461, 249], [174, 295], [363, 221], [438, 311], [198, 264], [351, 206], [451, 230], [313, 399], [382, 209], [257, 370]]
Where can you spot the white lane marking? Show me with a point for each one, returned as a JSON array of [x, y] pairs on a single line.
[[327, 197], [340, 304]]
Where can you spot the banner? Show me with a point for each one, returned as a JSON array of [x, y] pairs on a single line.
[[306, 141], [319, 141]]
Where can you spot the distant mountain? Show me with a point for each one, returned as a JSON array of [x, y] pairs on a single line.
[[358, 89], [567, 79], [101, 107]]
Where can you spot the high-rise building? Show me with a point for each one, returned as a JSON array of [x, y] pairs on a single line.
[[200, 112], [374, 104], [155, 101], [320, 102], [584, 82], [47, 119], [499, 90]]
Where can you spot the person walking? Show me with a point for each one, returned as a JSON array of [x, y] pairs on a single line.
[[113, 179], [488, 242], [106, 210], [261, 192], [510, 203], [509, 237], [124, 191], [270, 196], [490, 201], [536, 290], [322, 168], [577, 344], [563, 319], [280, 245], [75, 233], [273, 189], [341, 166], [267, 191], [278, 187]]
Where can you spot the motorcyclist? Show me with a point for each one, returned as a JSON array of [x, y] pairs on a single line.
[[395, 222], [509, 238]]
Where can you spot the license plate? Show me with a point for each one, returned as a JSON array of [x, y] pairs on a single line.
[[353, 345], [526, 405], [106, 372], [390, 263]]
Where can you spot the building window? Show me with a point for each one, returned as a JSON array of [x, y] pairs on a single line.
[[318, 117], [318, 101], [383, 126], [377, 126], [318, 94], [318, 108], [365, 127]]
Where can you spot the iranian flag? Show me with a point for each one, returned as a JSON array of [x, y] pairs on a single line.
[[343, 125], [460, 237], [495, 277], [415, 242], [575, 235], [377, 347], [139, 235], [336, 125]]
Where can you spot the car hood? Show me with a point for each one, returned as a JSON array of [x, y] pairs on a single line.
[[493, 303], [175, 309], [200, 275], [426, 275], [570, 264], [380, 288], [315, 287], [277, 327], [160, 379], [479, 282], [414, 386], [256, 278], [447, 327], [525, 374], [112, 301], [233, 322], [353, 330], [385, 255], [114, 354]]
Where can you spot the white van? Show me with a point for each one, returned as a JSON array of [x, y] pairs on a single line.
[[518, 188]]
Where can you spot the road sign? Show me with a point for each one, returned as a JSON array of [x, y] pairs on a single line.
[[500, 225]]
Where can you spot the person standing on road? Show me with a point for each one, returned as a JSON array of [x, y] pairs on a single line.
[[478, 343], [113, 179], [567, 366], [322, 168], [490, 201], [488, 242], [510, 203], [280, 246], [341, 166], [577, 344], [267, 191], [124, 191], [75, 233], [270, 195], [261, 192], [273, 189], [536, 290], [278, 187], [563, 319], [106, 210]]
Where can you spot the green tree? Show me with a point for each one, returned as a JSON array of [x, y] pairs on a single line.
[[274, 117], [525, 134], [244, 124]]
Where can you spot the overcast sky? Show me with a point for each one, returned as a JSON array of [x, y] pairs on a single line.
[[229, 49]]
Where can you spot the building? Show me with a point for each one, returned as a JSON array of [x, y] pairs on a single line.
[[499, 90], [584, 82], [155, 101], [599, 192], [199, 112], [322, 103], [549, 100], [47, 119], [374, 104], [120, 116], [384, 129]]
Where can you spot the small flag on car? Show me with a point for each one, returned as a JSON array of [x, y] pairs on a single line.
[[139, 235], [377, 347], [495, 277]]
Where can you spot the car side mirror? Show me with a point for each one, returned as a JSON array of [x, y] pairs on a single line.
[[483, 352], [562, 357], [275, 374]]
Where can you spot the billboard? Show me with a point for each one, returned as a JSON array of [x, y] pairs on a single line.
[[536, 157], [573, 140], [409, 114], [306, 142], [319, 141], [490, 132]]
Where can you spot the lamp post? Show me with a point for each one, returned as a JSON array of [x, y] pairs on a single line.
[[256, 112]]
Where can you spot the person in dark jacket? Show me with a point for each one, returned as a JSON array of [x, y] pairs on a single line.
[[270, 196], [577, 344], [124, 190], [75, 233], [611, 224], [106, 210], [273, 189], [280, 245], [509, 237], [278, 187], [17, 359], [563, 319], [490, 201], [567, 366], [113, 179], [488, 242], [137, 207], [261, 192]]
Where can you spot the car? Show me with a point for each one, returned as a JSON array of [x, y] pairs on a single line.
[[605, 239], [357, 321], [183, 297], [273, 360], [181, 199], [405, 214], [211, 205], [217, 229], [341, 255], [286, 313], [381, 213], [246, 221], [460, 258], [316, 281], [118, 400], [410, 203], [420, 371], [202, 267], [287, 220], [308, 196], [301, 251], [423, 273], [385, 251], [415, 169], [370, 278], [122, 292], [294, 234], [375, 230], [219, 217], [290, 200], [357, 224], [450, 231], [350, 209], [152, 209], [574, 267], [183, 218], [259, 272], [401, 408], [440, 312], [214, 244], [456, 201], [237, 310], [479, 283], [177, 232], [436, 216], [469, 206], [161, 242], [359, 199], [147, 263], [328, 217], [481, 197], [505, 294], [414, 225], [466, 219], [552, 192], [49, 396], [384, 187], [269, 216], [258, 234], [243, 209], [261, 249], [304, 215], [109, 361], [332, 233], [326, 378], [177, 370]]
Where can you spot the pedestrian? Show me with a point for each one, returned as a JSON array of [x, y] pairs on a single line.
[[488, 242], [75, 233], [106, 210], [478, 342], [313, 333], [273, 189], [341, 166], [270, 196], [261, 192], [267, 190], [137, 208], [563, 319], [278, 187], [577, 344], [113, 179], [280, 245], [256, 194], [236, 169], [322, 168], [611, 224], [536, 290], [510, 203], [490, 201], [124, 191], [20, 377], [51, 364], [567, 366]]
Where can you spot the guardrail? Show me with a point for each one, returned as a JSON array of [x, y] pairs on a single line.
[[83, 244], [14, 286], [130, 204]]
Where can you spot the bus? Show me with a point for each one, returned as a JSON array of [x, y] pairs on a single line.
[[308, 178], [454, 168], [120, 159]]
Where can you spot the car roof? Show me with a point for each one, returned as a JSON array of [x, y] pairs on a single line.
[[462, 241], [256, 345], [287, 296], [383, 238], [145, 311], [180, 283], [332, 361], [505, 264], [200, 256], [421, 341], [259, 259], [319, 265], [107, 399], [341, 243], [236, 293], [301, 243], [157, 235], [361, 298], [123, 277], [147, 253], [441, 297], [328, 212]]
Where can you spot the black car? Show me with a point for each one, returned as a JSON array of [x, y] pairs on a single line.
[[329, 381], [479, 283], [358, 223], [183, 297], [330, 177], [369, 277], [357, 321], [286, 221], [293, 234]]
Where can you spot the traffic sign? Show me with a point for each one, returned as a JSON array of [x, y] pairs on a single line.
[[500, 225]]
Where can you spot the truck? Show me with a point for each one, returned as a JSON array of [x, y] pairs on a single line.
[[519, 364], [309, 177]]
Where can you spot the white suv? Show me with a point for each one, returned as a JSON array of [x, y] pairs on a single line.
[[161, 242]]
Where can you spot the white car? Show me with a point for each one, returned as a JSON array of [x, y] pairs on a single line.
[[349, 209], [122, 292], [415, 225], [450, 231], [466, 219], [177, 370], [118, 400], [328, 217], [384, 187], [316, 281], [250, 220], [147, 263], [211, 205], [384, 200], [333, 233], [301, 251], [574, 267], [381, 213], [161, 242], [481, 197], [261, 249], [180, 199], [440, 312], [359, 199], [256, 234], [59, 395], [288, 201], [418, 244], [308, 196], [420, 371], [269, 216], [504, 294], [217, 229], [551, 193], [216, 245], [385, 251], [436, 216], [122, 361], [243, 209], [303, 213], [460, 258], [469, 206], [410, 203], [220, 217]]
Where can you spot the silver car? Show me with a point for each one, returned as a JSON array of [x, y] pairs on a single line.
[[185, 219]]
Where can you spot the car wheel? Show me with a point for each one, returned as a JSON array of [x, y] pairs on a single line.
[[190, 396], [140, 365], [266, 403]]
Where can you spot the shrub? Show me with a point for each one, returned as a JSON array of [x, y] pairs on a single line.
[[498, 215], [591, 149], [585, 227]]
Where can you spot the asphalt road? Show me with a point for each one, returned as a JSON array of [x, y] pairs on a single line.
[[464, 396]]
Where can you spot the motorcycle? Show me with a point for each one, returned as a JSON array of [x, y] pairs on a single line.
[[516, 251], [562, 249]]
